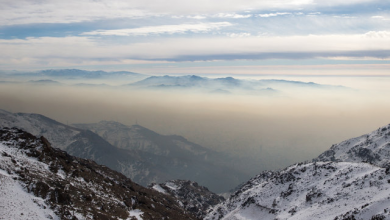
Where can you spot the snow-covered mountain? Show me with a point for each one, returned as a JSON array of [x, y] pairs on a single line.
[[180, 158], [322, 190], [41, 182], [192, 197], [86, 144], [372, 148], [141, 154], [349, 181]]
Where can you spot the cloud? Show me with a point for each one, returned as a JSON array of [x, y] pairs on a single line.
[[378, 34], [70, 11], [79, 50], [238, 34], [162, 29], [232, 15], [197, 17], [381, 18], [273, 14]]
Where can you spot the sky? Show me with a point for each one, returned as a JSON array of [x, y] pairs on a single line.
[[302, 40], [304, 37]]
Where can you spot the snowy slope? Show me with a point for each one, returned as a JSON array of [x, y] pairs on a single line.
[[41, 182], [373, 148], [14, 196], [349, 181], [322, 190]]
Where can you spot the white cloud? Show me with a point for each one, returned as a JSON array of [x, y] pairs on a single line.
[[344, 16], [70, 11], [273, 14], [60, 11], [238, 34], [197, 17], [76, 50], [381, 18], [162, 29], [378, 34], [232, 15]]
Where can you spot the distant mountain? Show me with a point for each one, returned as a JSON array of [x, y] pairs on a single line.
[[349, 181], [76, 73], [227, 85], [41, 182], [44, 82], [172, 81], [281, 82], [180, 158], [86, 144], [92, 85], [192, 197]]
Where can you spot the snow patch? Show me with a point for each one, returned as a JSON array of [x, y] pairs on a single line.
[[136, 213], [17, 204], [171, 185], [158, 188]]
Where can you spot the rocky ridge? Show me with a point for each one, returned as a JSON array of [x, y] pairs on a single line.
[[192, 197], [372, 148]]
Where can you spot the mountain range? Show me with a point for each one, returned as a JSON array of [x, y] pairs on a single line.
[[139, 153], [226, 85], [76, 73], [188, 83], [41, 182], [350, 181]]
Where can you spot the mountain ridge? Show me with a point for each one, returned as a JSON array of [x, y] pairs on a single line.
[[144, 162], [199, 162], [66, 187]]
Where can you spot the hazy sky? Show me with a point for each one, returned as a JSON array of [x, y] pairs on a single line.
[[203, 36], [287, 39]]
